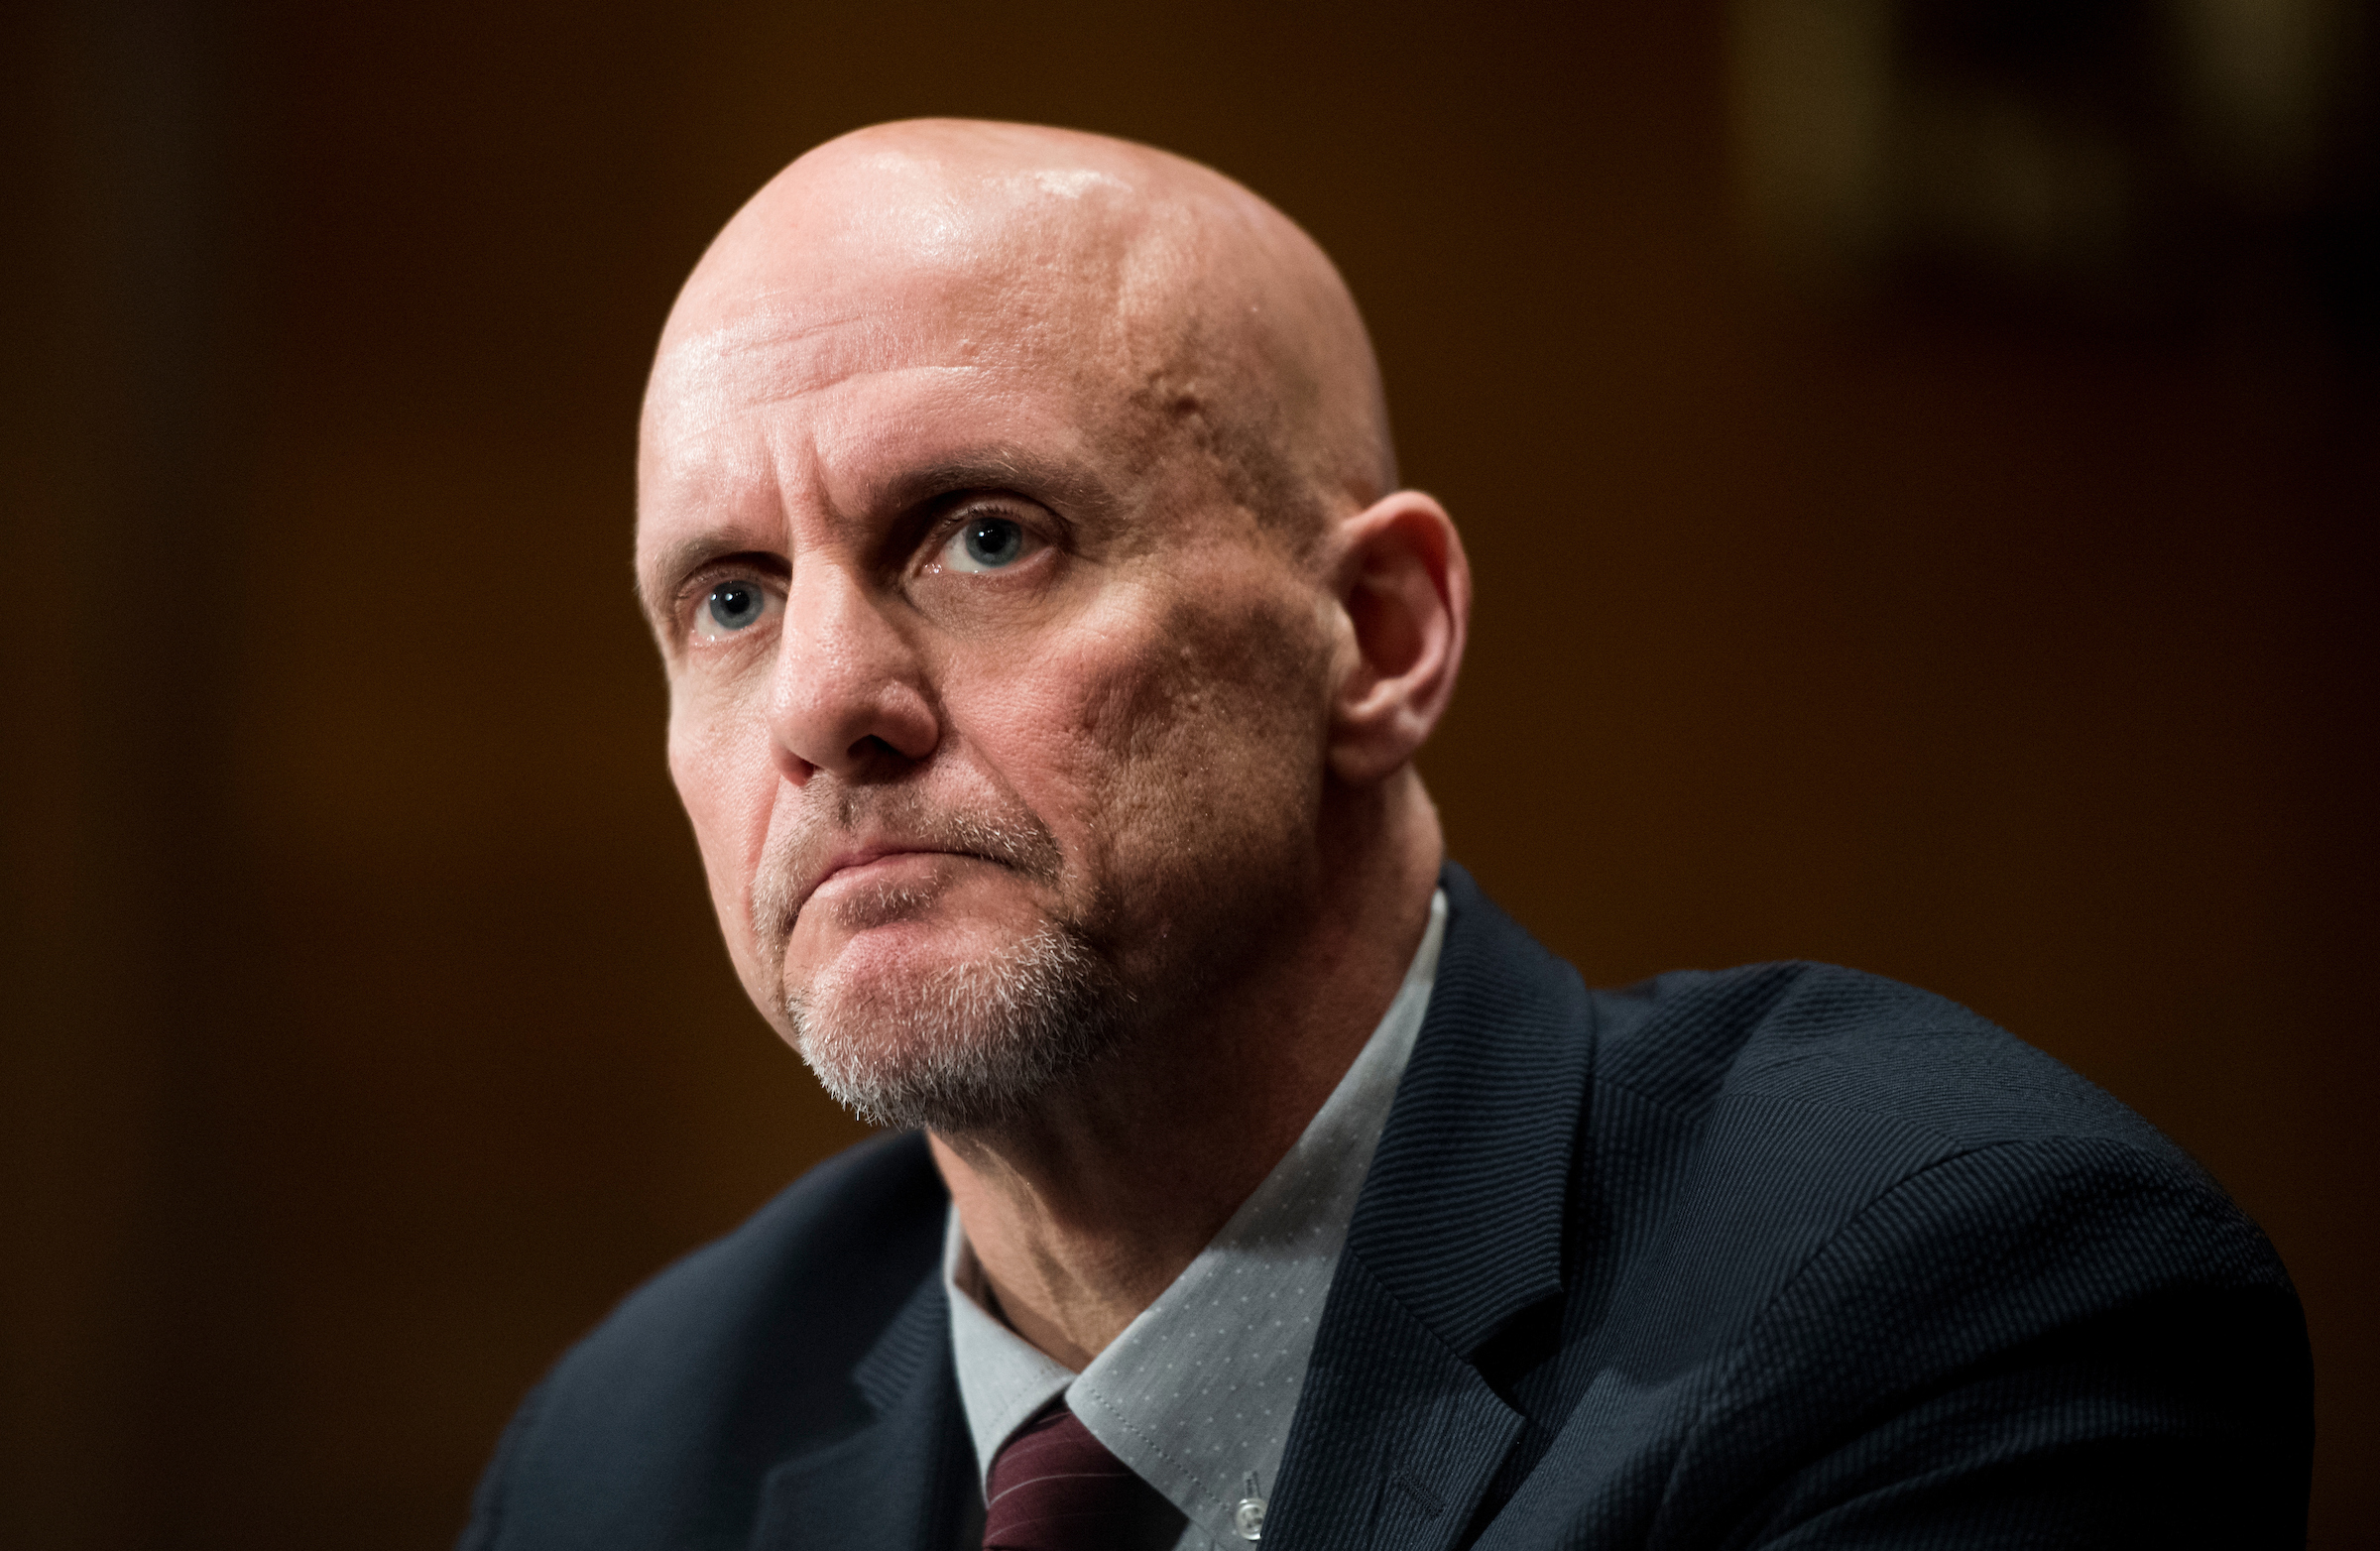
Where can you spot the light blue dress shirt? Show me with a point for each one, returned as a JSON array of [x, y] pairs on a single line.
[[1195, 1395]]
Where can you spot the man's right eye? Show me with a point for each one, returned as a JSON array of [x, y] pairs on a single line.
[[731, 607]]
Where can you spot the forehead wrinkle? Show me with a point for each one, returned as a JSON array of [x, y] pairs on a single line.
[[854, 434], [864, 469], [753, 517], [706, 381]]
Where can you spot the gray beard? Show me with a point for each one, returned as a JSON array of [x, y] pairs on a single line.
[[970, 1048]]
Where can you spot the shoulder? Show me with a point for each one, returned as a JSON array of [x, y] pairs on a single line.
[[1867, 1200], [1897, 1225], [1812, 1039], [722, 1361], [1795, 1099], [1771, 1104], [1793, 1038]]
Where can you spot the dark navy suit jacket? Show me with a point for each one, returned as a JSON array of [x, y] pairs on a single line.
[[1785, 1256]]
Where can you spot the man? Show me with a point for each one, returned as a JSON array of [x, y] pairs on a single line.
[[1048, 644]]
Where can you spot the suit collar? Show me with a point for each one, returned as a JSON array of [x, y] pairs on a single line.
[[1458, 1229], [906, 1481], [1461, 1219]]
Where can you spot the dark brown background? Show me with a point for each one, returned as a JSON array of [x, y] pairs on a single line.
[[367, 1033]]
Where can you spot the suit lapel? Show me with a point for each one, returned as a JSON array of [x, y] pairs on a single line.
[[1459, 1227], [904, 1482]]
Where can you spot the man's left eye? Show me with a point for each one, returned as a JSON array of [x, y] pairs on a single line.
[[987, 543]]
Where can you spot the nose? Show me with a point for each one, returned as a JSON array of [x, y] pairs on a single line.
[[849, 695]]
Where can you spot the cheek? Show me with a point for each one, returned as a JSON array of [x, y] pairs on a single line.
[[1027, 735], [726, 776], [1180, 740]]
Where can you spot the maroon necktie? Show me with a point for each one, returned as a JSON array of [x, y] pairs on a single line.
[[1055, 1488]]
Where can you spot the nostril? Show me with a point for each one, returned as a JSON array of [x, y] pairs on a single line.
[[875, 749]]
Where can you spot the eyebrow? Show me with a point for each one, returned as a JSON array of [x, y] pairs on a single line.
[[1057, 483], [1076, 495], [656, 588]]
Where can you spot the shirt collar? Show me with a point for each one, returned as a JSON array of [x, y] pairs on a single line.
[[1195, 1395]]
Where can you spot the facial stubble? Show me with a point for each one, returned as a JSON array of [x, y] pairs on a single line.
[[962, 1047]]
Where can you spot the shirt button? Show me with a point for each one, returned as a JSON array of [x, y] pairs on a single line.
[[1249, 1518]]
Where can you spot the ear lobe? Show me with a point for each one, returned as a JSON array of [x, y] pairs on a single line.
[[1405, 589]]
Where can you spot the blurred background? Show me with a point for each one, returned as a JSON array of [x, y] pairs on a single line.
[[1921, 459]]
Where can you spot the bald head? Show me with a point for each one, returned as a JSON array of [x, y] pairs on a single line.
[[1200, 320]]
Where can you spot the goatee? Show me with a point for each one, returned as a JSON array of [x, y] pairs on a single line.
[[969, 1047], [962, 1047]]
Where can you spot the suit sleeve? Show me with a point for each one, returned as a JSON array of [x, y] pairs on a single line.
[[2056, 1343], [486, 1528]]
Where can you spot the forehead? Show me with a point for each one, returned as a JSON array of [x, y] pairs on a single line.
[[884, 253], [870, 409], [909, 314]]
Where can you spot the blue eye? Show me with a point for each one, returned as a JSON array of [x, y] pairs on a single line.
[[990, 542], [986, 541], [736, 604]]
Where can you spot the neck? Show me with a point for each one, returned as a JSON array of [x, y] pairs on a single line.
[[1083, 1213]]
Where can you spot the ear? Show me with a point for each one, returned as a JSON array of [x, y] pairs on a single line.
[[1405, 589]]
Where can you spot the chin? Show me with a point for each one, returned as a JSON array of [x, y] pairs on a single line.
[[919, 1023], [863, 946]]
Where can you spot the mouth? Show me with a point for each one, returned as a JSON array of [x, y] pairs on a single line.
[[902, 856], [856, 864]]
